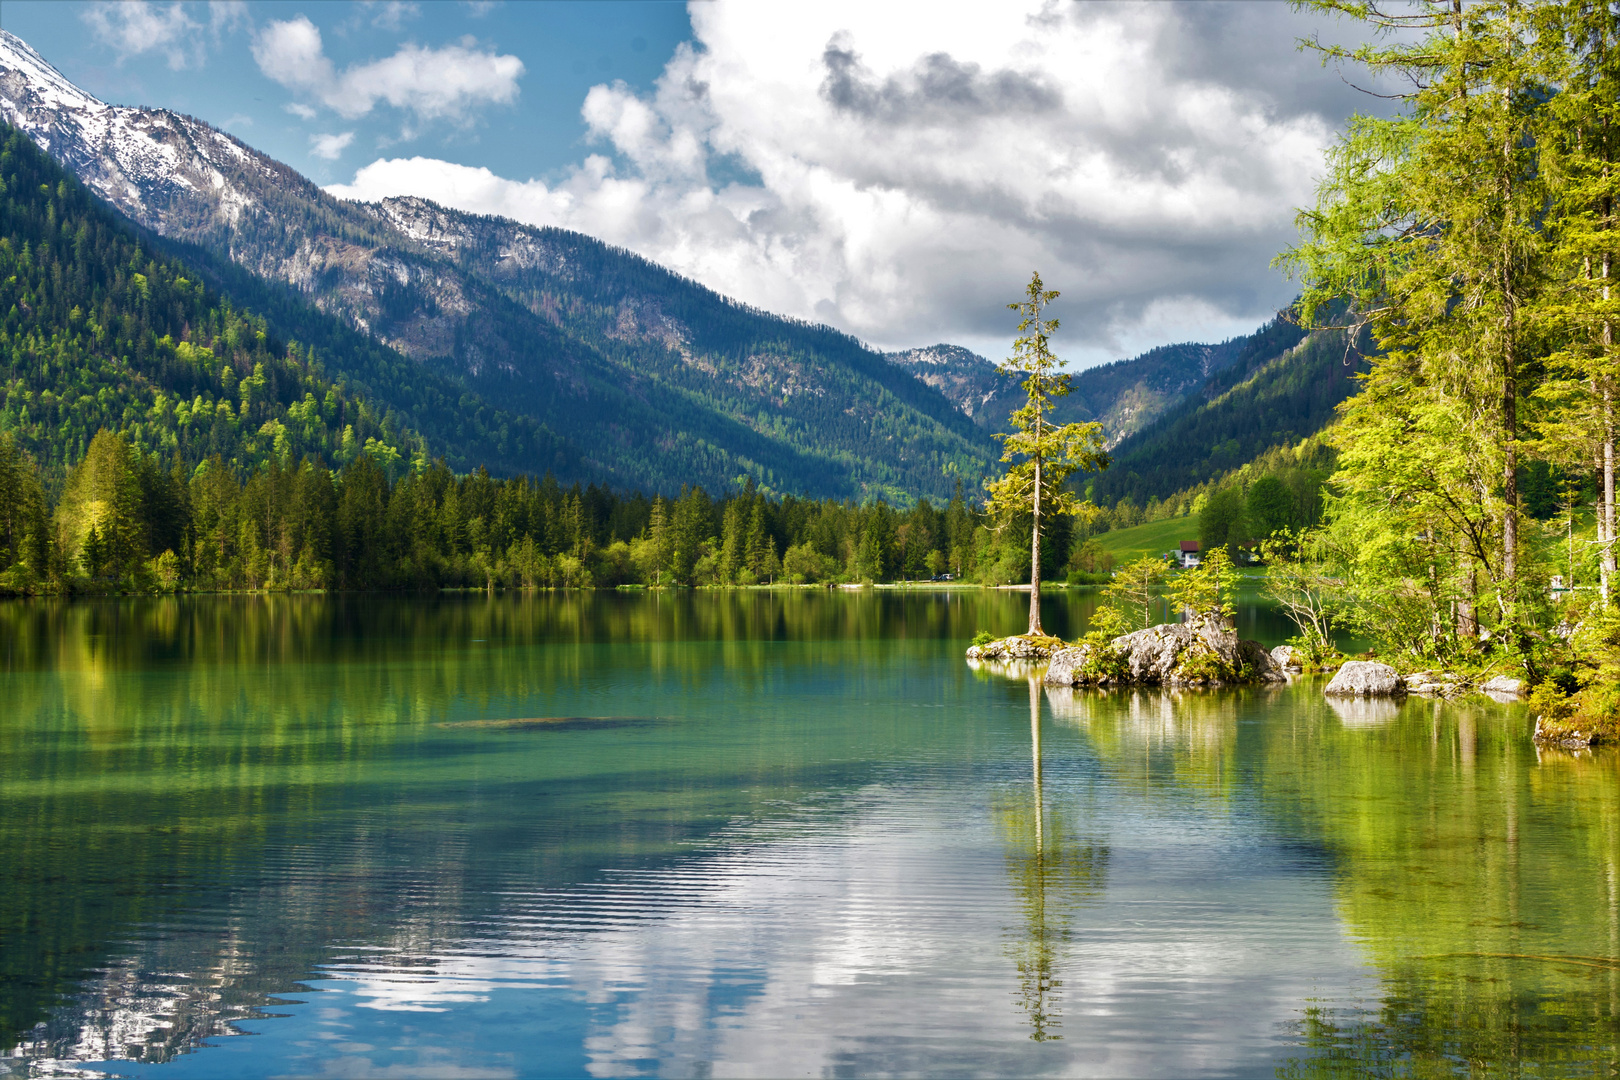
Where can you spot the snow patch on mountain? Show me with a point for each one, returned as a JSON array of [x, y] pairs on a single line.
[[141, 160]]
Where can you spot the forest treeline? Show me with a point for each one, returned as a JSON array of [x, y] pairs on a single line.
[[133, 521]]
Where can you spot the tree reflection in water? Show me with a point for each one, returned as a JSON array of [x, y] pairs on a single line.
[[1052, 874]]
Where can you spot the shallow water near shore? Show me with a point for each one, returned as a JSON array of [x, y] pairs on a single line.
[[763, 834]]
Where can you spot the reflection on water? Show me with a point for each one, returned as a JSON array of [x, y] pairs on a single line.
[[761, 834], [1051, 874]]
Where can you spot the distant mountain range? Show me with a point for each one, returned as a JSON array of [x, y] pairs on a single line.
[[635, 376], [1283, 385], [1125, 396]]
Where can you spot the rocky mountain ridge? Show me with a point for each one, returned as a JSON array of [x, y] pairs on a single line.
[[1125, 396], [657, 380]]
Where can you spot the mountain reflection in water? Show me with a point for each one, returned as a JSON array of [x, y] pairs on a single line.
[[762, 833]]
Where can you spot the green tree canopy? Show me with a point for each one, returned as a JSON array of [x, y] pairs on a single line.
[[1039, 455]]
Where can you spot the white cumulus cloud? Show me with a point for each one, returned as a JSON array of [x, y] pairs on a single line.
[[133, 27], [900, 176], [330, 147], [432, 84]]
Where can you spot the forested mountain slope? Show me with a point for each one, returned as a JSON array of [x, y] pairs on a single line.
[[100, 329], [1283, 387], [1124, 396], [656, 380], [981, 390], [809, 389]]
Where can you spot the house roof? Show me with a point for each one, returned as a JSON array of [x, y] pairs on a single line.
[[1189, 545]]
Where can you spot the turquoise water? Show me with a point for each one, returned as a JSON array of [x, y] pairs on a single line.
[[763, 834]]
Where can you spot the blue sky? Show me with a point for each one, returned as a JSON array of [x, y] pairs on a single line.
[[565, 49], [895, 169]]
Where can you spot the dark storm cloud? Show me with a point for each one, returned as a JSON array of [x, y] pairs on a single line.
[[938, 87]]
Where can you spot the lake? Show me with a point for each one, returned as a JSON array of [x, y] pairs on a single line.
[[763, 834]]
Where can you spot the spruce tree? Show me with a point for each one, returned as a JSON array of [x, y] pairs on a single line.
[[1040, 456]]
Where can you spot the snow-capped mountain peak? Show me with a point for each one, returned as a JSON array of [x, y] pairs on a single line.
[[170, 172], [39, 80]]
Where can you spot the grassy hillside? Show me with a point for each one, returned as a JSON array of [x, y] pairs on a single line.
[[1153, 538]]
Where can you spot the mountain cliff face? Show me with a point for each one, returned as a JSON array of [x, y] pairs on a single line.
[[656, 380], [983, 392]]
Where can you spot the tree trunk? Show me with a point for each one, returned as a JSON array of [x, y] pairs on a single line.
[[1510, 482], [1035, 560], [1606, 510], [1468, 610], [1035, 531]]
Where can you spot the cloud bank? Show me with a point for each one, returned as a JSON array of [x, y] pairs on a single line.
[[132, 27], [432, 84], [899, 177]]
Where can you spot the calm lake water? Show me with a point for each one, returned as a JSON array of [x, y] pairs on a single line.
[[763, 834]]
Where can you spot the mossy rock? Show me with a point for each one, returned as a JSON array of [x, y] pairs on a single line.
[[1033, 647]]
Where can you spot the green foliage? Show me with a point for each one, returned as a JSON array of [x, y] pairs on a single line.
[[983, 637], [126, 521], [1222, 524], [1297, 580], [1579, 692], [25, 541], [1134, 592], [1470, 236], [1090, 564], [1432, 225], [1040, 456], [1206, 589], [1269, 508]]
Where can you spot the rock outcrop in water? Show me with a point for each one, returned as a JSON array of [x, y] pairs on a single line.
[[1365, 678], [1202, 652], [1287, 659], [1569, 734], [1018, 647]]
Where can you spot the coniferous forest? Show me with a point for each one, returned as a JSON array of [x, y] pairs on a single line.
[[156, 437]]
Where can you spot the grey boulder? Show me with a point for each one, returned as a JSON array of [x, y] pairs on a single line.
[[1284, 657], [1263, 663], [1064, 670], [1504, 686], [1365, 678], [1201, 652]]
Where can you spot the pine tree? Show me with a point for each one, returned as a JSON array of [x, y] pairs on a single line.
[[1040, 456], [662, 538]]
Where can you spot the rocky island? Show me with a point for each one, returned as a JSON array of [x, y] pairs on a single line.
[[1204, 651]]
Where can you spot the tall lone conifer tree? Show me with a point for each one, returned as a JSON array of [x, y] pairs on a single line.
[[1040, 455]]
